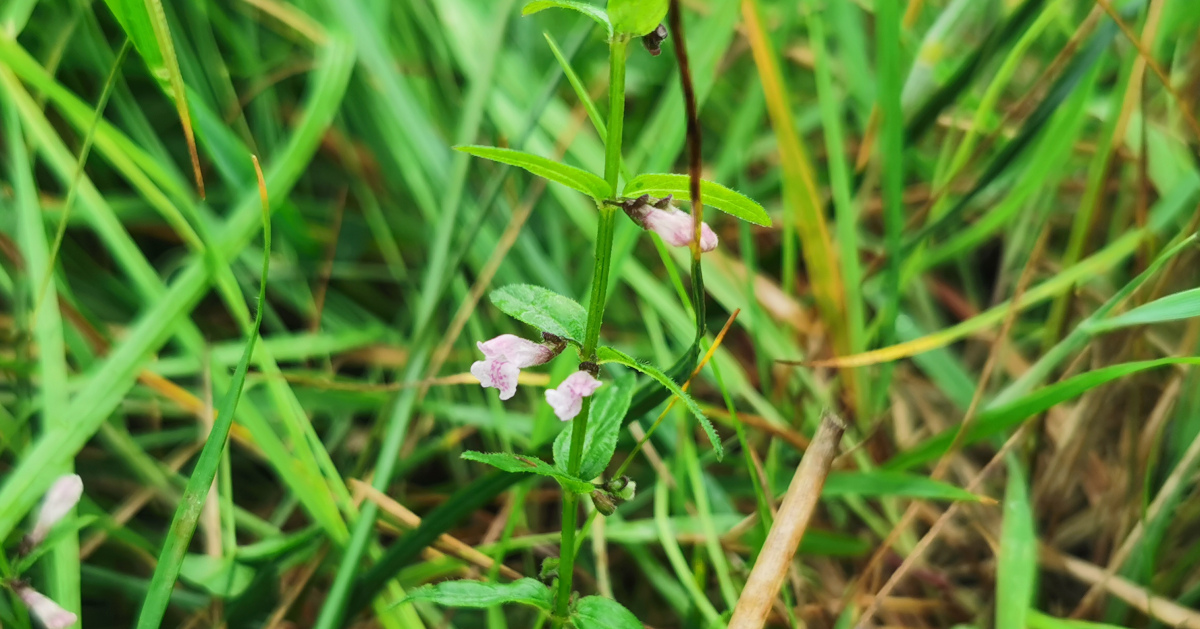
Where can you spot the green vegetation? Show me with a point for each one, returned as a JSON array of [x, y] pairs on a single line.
[[965, 227]]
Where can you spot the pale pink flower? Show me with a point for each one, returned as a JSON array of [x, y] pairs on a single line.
[[567, 399], [59, 500], [45, 610], [503, 359], [673, 225]]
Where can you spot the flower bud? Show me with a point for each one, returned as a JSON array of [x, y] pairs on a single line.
[[49, 613], [59, 500]]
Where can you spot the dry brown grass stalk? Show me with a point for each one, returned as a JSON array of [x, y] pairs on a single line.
[[784, 538]]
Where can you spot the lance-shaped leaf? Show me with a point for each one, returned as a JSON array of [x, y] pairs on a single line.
[[479, 594], [569, 176], [711, 194], [530, 465], [603, 428], [590, 10]]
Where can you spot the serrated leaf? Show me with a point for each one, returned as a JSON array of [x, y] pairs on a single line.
[[597, 612], [1181, 305], [221, 577], [479, 594], [636, 17], [569, 176], [603, 427], [542, 308], [712, 194], [610, 355], [592, 11], [520, 464]]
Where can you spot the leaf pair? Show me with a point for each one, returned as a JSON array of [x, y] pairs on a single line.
[[590, 612], [627, 17], [656, 184]]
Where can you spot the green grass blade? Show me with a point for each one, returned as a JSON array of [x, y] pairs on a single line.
[[183, 524], [1016, 565]]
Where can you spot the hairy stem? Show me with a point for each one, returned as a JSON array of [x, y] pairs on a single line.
[[604, 238]]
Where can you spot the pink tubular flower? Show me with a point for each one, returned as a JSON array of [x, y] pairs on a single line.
[[503, 359], [47, 611], [59, 500], [671, 224], [567, 399]]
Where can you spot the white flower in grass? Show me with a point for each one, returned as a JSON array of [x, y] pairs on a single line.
[[505, 356], [51, 615], [673, 225], [567, 399], [59, 500]]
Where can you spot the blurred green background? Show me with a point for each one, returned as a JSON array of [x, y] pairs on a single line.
[[995, 194]]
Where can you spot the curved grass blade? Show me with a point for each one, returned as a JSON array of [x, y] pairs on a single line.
[[996, 420], [569, 176], [1062, 88], [1181, 305], [146, 24], [183, 525]]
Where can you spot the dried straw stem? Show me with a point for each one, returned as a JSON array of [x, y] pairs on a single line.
[[784, 538]]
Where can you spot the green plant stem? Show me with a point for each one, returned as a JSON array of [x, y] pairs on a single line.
[[604, 240]]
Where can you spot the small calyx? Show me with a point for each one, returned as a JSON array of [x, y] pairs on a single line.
[[654, 39], [612, 493]]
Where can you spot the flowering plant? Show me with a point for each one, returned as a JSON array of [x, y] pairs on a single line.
[[594, 400]]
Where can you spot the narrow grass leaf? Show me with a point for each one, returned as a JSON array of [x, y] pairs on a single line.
[[590, 10], [610, 355], [543, 309], [881, 483], [996, 420], [520, 464], [145, 23], [569, 176], [1038, 620], [480, 594], [597, 612], [1016, 565], [603, 427], [1181, 305], [183, 524], [714, 194]]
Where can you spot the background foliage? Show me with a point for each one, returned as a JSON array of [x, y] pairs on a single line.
[[988, 203]]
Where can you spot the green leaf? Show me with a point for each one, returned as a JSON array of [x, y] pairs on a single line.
[[880, 483], [610, 355], [542, 308], [517, 463], [597, 612], [1016, 563], [603, 428], [592, 11], [1038, 620], [636, 17], [183, 524], [711, 193], [996, 420], [145, 23], [221, 577], [569, 176], [1181, 305], [480, 594]]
